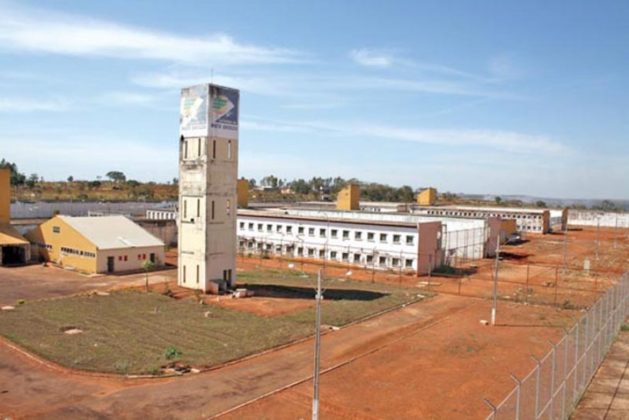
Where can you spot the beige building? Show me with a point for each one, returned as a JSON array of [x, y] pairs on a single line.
[[348, 198], [427, 197], [208, 178], [108, 244]]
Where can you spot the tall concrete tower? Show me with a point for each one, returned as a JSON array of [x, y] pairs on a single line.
[[208, 175]]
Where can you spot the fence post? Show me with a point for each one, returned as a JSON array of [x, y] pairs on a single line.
[[576, 364], [517, 396], [552, 383], [537, 378], [493, 408]]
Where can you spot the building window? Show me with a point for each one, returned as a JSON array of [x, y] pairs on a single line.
[[199, 147], [125, 258], [370, 236], [311, 231], [322, 233], [260, 227], [382, 260], [346, 234], [358, 236], [213, 149], [333, 255], [185, 208], [321, 253], [300, 251], [300, 230], [184, 273], [356, 258], [198, 207], [369, 259], [242, 225], [289, 229], [395, 262], [228, 206], [229, 149], [212, 209], [250, 226], [408, 263], [383, 237], [269, 228], [185, 149], [278, 228], [311, 252], [409, 239], [396, 239], [197, 273], [56, 229], [345, 256], [334, 233]]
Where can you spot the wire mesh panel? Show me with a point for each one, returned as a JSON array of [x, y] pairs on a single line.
[[553, 388]]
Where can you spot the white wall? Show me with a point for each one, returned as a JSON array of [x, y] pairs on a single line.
[[594, 218]]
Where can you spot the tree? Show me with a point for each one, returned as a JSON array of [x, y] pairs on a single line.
[[540, 203], [269, 181], [252, 183], [498, 199], [116, 176], [300, 186], [133, 183], [70, 178], [32, 180], [93, 184], [175, 181], [17, 178]]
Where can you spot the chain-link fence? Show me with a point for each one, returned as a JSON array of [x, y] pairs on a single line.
[[553, 388]]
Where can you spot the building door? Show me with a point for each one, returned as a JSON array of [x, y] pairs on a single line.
[[152, 257], [110, 264]]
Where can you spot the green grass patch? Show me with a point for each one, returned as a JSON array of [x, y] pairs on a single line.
[[624, 327], [133, 332]]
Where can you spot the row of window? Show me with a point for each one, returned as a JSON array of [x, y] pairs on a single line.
[[228, 205], [356, 257], [482, 214], [72, 251], [188, 144], [42, 245], [334, 233]]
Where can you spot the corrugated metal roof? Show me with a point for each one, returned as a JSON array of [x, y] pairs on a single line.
[[10, 236], [112, 232]]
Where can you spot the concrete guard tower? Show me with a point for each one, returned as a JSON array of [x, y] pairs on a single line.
[[208, 175]]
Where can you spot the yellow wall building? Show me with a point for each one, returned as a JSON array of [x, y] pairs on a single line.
[[108, 244], [243, 193], [427, 197], [5, 195], [349, 198]]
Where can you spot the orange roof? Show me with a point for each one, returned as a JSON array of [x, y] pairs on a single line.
[[10, 236]]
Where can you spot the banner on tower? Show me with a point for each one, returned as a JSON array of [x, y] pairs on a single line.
[[209, 110]]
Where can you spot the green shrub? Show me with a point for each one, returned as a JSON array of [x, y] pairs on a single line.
[[172, 353]]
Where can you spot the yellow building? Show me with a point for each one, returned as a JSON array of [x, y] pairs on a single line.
[[5, 195], [349, 198], [14, 249], [243, 193], [108, 244], [427, 197]]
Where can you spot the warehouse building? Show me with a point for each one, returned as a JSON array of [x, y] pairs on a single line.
[[14, 248], [108, 244]]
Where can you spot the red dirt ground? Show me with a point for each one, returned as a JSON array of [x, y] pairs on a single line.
[[431, 359]]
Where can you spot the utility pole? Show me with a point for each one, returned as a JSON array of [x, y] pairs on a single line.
[[495, 302], [317, 358]]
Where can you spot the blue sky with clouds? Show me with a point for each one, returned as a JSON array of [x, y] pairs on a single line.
[[503, 97]]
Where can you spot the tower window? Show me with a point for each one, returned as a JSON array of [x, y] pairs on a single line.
[[212, 209], [213, 149], [229, 149], [198, 207]]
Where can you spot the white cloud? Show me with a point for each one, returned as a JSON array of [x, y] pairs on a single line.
[[9, 105], [43, 31], [501, 140], [371, 58]]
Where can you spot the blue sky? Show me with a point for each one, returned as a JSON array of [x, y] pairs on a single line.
[[502, 97]]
